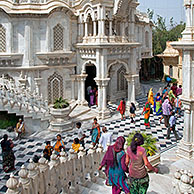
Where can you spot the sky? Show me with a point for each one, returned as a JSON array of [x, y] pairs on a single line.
[[164, 8]]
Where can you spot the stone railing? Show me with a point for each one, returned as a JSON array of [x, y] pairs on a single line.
[[18, 97], [62, 174], [36, 1], [183, 183]]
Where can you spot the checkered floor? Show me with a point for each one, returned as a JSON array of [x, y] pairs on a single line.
[[27, 148]]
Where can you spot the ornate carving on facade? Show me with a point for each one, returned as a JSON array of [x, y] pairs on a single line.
[[2, 39], [55, 87], [58, 34]]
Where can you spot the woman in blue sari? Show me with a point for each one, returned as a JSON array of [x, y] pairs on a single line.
[[114, 161], [158, 105], [95, 132]]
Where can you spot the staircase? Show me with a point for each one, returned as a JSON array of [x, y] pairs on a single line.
[[18, 100], [82, 113]]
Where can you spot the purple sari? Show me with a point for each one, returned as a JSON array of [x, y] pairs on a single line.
[[114, 161], [91, 97]]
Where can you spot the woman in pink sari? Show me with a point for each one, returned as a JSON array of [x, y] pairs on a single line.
[[137, 160]]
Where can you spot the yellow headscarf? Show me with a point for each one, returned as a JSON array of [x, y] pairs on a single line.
[[151, 97]]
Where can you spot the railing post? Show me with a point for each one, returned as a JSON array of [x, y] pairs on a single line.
[[12, 185]]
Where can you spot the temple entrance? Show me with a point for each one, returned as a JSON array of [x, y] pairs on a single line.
[[117, 87], [90, 85]]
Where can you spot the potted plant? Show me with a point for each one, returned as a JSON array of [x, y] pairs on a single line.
[[60, 103], [149, 145], [60, 120]]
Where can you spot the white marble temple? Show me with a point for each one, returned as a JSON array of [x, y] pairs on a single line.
[[53, 42]]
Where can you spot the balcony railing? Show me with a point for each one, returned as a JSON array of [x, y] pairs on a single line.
[[37, 1]]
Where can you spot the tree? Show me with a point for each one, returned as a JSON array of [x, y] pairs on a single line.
[[162, 34]]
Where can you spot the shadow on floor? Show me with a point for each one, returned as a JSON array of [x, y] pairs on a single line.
[[163, 169]]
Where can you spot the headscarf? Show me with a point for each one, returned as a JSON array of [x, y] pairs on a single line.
[[119, 144], [109, 157]]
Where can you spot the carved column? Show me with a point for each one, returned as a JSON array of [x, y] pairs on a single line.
[[110, 28], [185, 148], [28, 44], [131, 90], [94, 28], [103, 112], [73, 78], [86, 29], [82, 91]]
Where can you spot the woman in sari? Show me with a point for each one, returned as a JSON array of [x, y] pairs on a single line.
[[158, 105], [121, 108], [91, 97], [95, 132], [146, 111], [136, 156], [151, 96], [114, 161], [7, 154]]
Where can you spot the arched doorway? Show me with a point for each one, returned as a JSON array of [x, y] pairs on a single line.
[[90, 82], [117, 87]]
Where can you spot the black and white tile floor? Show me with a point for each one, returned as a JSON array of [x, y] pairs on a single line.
[[27, 148]]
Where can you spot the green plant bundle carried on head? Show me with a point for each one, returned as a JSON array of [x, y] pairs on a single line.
[[60, 103], [149, 142]]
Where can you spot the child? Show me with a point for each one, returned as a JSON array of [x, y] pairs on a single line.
[[172, 123], [49, 148], [81, 135], [76, 145], [132, 112], [46, 154]]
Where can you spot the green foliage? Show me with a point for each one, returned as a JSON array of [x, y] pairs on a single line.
[[8, 120], [149, 142], [162, 34], [60, 103]]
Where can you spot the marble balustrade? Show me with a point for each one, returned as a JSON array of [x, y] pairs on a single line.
[[61, 174]]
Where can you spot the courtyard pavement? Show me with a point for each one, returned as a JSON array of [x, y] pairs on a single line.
[[26, 148]]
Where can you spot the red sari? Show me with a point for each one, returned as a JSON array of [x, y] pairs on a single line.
[[121, 107]]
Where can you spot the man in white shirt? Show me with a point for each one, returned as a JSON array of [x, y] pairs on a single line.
[[80, 134], [106, 138]]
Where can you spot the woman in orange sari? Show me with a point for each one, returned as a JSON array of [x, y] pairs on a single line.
[[146, 111], [121, 108]]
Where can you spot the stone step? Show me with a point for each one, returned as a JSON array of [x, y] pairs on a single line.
[[85, 117], [95, 188], [78, 111]]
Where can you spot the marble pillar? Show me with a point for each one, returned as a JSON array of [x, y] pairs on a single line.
[[186, 44], [83, 101], [28, 44], [103, 111], [73, 79], [94, 28], [131, 90], [86, 29]]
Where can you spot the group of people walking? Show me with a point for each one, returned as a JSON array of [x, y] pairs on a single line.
[[166, 103], [133, 162]]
